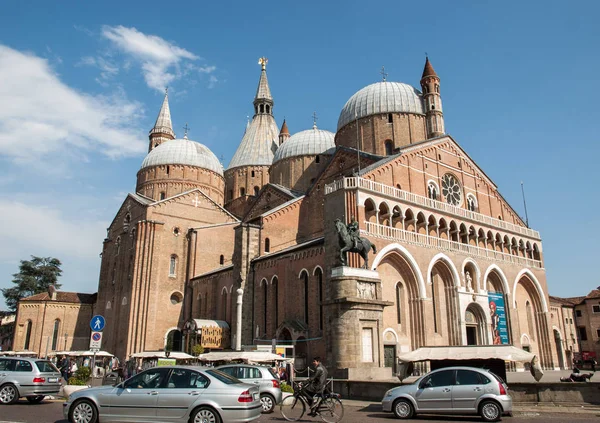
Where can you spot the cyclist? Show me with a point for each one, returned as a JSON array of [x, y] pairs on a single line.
[[315, 384]]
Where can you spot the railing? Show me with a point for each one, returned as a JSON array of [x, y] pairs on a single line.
[[395, 234], [389, 191]]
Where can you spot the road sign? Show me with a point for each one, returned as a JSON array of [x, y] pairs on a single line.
[[97, 323], [96, 341]]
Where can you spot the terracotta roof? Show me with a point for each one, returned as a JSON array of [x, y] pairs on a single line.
[[567, 301], [65, 297], [594, 293], [284, 129], [428, 70]]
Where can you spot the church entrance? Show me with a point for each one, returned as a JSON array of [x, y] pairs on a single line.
[[475, 325], [389, 357], [471, 335]]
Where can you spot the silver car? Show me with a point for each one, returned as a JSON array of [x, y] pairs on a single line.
[[170, 393], [452, 390], [31, 378], [263, 376]]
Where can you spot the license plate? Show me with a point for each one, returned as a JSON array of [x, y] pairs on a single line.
[[255, 396], [52, 379]]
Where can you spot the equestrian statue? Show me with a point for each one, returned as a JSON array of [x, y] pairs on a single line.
[[351, 241]]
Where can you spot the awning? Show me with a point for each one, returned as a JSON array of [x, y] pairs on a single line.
[[81, 353], [245, 356], [161, 354], [481, 352], [196, 324]]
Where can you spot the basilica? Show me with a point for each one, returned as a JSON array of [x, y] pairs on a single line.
[[250, 255]]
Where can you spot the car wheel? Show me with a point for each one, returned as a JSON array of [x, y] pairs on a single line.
[[490, 411], [36, 399], [83, 411], [8, 394], [268, 403], [403, 409], [205, 415]]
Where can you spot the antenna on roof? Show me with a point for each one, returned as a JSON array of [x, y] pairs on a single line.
[[525, 205]]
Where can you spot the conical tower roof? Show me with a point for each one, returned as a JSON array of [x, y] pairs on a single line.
[[428, 70], [163, 121], [284, 129], [263, 92]]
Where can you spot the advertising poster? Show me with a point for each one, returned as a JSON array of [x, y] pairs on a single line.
[[498, 318]]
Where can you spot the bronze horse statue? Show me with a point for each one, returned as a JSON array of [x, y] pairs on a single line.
[[363, 245]]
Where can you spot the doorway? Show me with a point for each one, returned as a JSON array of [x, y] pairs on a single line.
[[471, 335], [389, 357]]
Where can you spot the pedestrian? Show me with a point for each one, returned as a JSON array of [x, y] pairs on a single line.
[[86, 362], [64, 368]]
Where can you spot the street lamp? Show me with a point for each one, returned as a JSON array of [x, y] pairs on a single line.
[[66, 336]]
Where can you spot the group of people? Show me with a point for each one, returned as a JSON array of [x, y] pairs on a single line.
[[69, 365]]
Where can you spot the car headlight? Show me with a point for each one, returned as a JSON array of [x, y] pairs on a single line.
[[388, 393]]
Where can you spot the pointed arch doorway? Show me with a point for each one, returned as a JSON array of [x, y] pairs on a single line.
[[475, 325]]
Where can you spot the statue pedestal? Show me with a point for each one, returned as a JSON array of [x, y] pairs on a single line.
[[354, 312]]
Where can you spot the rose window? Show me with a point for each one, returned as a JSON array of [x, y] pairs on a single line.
[[451, 189]]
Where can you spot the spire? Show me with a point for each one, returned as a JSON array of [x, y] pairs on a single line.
[[163, 128], [263, 97], [428, 70], [284, 133]]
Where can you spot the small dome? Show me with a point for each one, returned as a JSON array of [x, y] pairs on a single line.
[[183, 152], [382, 97], [306, 143]]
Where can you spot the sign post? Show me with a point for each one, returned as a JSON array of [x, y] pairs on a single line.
[[97, 325]]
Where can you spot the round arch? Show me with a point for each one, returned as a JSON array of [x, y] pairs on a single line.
[[444, 258], [477, 271], [403, 252], [536, 283], [394, 334], [494, 268]]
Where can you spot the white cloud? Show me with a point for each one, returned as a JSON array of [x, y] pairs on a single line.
[[108, 69], [161, 61], [41, 230], [40, 115]]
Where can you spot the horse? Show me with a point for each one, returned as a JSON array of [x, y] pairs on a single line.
[[363, 247]]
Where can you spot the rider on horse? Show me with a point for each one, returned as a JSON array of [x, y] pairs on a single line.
[[354, 232]]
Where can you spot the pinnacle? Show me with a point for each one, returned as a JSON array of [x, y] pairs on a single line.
[[163, 121], [284, 129], [428, 70]]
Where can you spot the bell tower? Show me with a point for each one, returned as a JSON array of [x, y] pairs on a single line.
[[434, 115]]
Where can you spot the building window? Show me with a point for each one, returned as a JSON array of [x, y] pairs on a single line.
[[55, 334], [471, 203], [320, 288], [399, 295], [529, 313], [578, 313], [305, 287], [222, 260], [231, 194], [389, 147], [162, 195], [596, 308], [432, 191], [390, 118], [566, 320], [367, 345], [570, 320], [267, 245], [172, 265], [598, 333], [262, 108], [168, 169], [252, 174], [268, 108], [27, 335], [318, 159], [242, 192], [582, 333], [275, 286], [256, 191]]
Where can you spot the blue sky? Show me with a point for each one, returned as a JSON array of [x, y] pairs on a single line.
[[81, 84]]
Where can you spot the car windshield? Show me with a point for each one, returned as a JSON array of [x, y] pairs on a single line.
[[223, 377], [46, 367]]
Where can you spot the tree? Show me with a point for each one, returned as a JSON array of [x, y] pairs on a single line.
[[35, 276]]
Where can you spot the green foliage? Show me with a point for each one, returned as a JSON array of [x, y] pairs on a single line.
[[75, 381], [81, 376], [197, 350], [286, 388], [35, 276]]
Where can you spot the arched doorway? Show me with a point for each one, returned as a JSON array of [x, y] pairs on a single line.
[[475, 325], [559, 349], [444, 302], [174, 341]]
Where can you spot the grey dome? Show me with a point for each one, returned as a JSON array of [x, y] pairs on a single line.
[[310, 142], [382, 97], [183, 152]]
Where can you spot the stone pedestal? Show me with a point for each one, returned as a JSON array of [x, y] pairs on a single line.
[[354, 312]]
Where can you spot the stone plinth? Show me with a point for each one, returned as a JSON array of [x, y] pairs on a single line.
[[354, 311]]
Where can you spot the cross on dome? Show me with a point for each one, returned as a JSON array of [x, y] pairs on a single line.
[[383, 73], [186, 128], [314, 116]]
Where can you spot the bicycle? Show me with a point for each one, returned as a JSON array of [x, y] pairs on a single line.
[[328, 406]]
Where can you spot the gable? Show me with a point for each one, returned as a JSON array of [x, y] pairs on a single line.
[[270, 197], [134, 206], [427, 162], [194, 206]]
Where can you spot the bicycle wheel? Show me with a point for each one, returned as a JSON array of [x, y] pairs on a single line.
[[292, 408], [331, 410]]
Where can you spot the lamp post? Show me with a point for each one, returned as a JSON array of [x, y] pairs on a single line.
[[66, 336]]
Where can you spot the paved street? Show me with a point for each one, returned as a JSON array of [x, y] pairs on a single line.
[[51, 412]]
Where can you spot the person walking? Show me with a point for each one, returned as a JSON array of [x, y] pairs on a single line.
[[315, 385]]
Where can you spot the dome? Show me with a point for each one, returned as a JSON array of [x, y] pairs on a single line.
[[310, 142], [183, 152], [382, 97]]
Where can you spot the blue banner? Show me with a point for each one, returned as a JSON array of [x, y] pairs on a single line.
[[498, 318]]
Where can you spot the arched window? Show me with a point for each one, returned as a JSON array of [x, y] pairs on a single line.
[[168, 169], [252, 173], [306, 297], [399, 297], [471, 203], [432, 191], [275, 287], [222, 260], [256, 191], [27, 335], [319, 275], [267, 245], [389, 147], [242, 192], [55, 334], [266, 300], [224, 305], [390, 118], [118, 244], [262, 108], [268, 108], [530, 327], [162, 195], [318, 159], [173, 265]]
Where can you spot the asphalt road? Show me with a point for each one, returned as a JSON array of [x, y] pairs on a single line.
[[51, 412]]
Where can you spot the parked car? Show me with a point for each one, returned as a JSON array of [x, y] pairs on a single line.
[[170, 393], [27, 377], [263, 376], [451, 390]]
